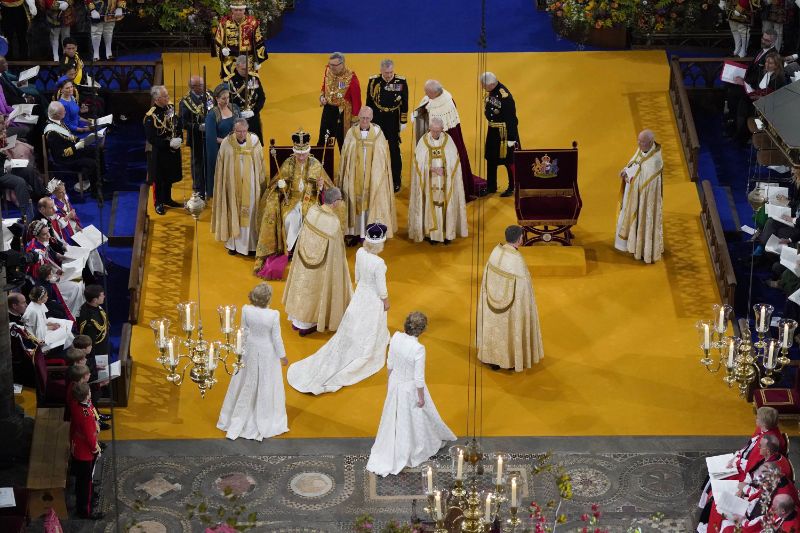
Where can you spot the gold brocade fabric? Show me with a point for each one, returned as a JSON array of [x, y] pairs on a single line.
[[334, 89], [318, 287], [640, 220], [300, 186], [508, 320]]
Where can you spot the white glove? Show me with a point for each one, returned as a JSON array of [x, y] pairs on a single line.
[[281, 184], [402, 127], [79, 145], [226, 51], [247, 113], [722, 5], [511, 143], [202, 127], [7, 165], [175, 143], [63, 6], [256, 66], [95, 15], [118, 12], [31, 7]]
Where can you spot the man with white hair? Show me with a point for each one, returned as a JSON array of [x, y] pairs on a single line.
[[639, 223], [438, 102], [502, 135], [239, 34], [162, 130], [387, 95], [340, 98], [248, 94], [365, 178], [67, 151], [436, 209]]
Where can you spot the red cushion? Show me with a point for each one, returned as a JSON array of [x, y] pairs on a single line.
[[548, 208], [786, 401]]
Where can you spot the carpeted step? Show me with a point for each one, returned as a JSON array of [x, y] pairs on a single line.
[[121, 226]]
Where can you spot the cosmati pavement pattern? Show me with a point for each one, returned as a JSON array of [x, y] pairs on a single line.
[[321, 484]]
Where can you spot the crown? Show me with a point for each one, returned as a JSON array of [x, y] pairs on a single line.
[[54, 184], [301, 142], [545, 168], [375, 233], [239, 4], [37, 226]]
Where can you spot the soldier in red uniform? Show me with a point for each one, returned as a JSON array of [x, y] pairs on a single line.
[[85, 449], [239, 34], [340, 98]]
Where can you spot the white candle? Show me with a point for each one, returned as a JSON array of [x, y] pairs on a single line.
[[786, 335], [239, 340], [212, 357], [513, 492], [770, 354], [460, 465], [438, 504], [722, 327], [731, 352], [430, 480], [706, 337], [763, 320], [188, 317], [171, 351], [499, 470], [488, 517], [161, 334], [227, 318]]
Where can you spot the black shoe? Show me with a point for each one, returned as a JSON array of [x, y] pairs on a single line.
[[231, 252], [507, 193], [309, 331], [93, 516], [173, 203], [160, 209], [397, 188], [102, 445], [104, 426], [104, 417]]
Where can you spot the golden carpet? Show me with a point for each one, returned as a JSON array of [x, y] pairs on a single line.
[[620, 348]]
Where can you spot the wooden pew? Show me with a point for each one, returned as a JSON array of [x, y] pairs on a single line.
[[683, 116], [49, 462], [717, 246], [136, 279]]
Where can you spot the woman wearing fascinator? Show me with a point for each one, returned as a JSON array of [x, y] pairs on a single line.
[[358, 348]]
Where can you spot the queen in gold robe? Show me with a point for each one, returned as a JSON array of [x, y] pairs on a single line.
[[318, 288], [509, 335], [639, 223], [437, 207], [365, 177], [238, 179], [287, 199]]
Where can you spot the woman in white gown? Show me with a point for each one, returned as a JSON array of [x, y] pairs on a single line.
[[358, 348], [255, 404], [36, 318], [411, 430]]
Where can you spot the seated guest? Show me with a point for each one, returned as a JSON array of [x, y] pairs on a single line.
[[69, 152], [93, 97], [35, 316], [65, 94], [70, 224], [772, 79], [786, 516], [21, 150], [72, 59], [16, 92], [23, 343], [56, 306], [46, 211], [736, 96], [12, 181], [72, 290], [753, 520]]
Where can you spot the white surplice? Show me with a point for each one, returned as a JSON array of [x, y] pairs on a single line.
[[246, 241], [358, 348], [407, 435], [255, 404]]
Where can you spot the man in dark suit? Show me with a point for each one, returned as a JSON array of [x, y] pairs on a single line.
[[502, 136], [387, 95], [737, 95]]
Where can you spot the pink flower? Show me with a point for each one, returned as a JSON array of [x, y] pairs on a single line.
[[584, 517]]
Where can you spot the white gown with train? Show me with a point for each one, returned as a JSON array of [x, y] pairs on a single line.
[[358, 348], [255, 404]]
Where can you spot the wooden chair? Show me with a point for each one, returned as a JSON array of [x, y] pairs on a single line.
[[51, 383], [49, 172]]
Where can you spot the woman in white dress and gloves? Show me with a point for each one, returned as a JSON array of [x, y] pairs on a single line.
[[358, 348], [255, 404], [411, 430]]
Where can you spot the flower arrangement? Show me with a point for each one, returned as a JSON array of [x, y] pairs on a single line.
[[644, 16], [366, 524], [199, 15], [666, 15], [584, 14]]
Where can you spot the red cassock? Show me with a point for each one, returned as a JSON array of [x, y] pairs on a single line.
[[83, 431]]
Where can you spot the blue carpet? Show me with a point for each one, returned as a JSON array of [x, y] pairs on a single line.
[[416, 26]]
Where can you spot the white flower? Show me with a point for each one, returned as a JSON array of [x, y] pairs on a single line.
[[281, 184]]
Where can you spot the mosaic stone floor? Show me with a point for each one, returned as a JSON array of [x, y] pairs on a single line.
[[309, 487]]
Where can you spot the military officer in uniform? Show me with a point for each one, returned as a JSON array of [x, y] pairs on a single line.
[[387, 95], [193, 109], [502, 136], [248, 94], [163, 133], [340, 98], [84, 448], [239, 34]]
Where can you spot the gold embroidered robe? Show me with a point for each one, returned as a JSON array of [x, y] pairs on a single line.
[[437, 208], [639, 222], [365, 178], [508, 321], [318, 287]]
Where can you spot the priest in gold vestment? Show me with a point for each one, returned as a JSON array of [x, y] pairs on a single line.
[[437, 209], [318, 288], [509, 335], [287, 199], [639, 223], [365, 177], [239, 177]]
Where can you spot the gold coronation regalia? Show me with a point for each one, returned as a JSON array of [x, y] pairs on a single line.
[[300, 186], [241, 38]]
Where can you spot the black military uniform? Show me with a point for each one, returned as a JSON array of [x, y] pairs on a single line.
[[62, 147], [501, 113], [248, 93], [164, 167], [389, 102], [193, 110], [93, 321]]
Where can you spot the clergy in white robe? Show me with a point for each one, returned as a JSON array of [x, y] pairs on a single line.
[[365, 177], [639, 222], [411, 430], [238, 179], [437, 209]]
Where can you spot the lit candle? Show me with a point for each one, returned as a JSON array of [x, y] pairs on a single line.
[[488, 517], [706, 337], [188, 309], [437, 496], [239, 340], [171, 351], [227, 318], [763, 320], [212, 357], [460, 465], [430, 480], [513, 492], [770, 355], [161, 333], [786, 335], [731, 352], [499, 470], [722, 327]]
